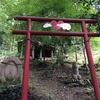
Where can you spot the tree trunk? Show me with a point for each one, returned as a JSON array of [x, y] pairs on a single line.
[[62, 51], [75, 47], [84, 54]]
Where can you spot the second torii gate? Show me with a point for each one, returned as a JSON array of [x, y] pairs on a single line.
[[28, 32]]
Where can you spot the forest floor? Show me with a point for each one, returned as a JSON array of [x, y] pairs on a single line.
[[52, 83]]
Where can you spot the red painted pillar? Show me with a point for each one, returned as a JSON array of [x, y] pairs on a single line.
[[90, 61], [24, 95]]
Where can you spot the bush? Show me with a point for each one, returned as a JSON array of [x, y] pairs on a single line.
[[13, 92]]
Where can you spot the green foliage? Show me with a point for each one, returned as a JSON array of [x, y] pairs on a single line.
[[42, 8], [95, 42], [13, 92]]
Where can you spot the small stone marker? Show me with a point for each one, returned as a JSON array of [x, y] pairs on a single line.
[[76, 74], [10, 68]]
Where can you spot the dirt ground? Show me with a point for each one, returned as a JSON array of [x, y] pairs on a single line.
[[47, 82]]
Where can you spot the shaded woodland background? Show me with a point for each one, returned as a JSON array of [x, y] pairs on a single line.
[[58, 72], [59, 9]]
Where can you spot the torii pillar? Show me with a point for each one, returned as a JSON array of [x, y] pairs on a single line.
[[26, 62], [28, 32]]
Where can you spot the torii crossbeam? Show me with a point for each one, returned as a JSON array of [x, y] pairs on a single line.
[[28, 32]]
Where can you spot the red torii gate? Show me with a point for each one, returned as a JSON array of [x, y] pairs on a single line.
[[28, 32]]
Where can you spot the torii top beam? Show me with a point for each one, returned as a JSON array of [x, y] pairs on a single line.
[[42, 19]]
